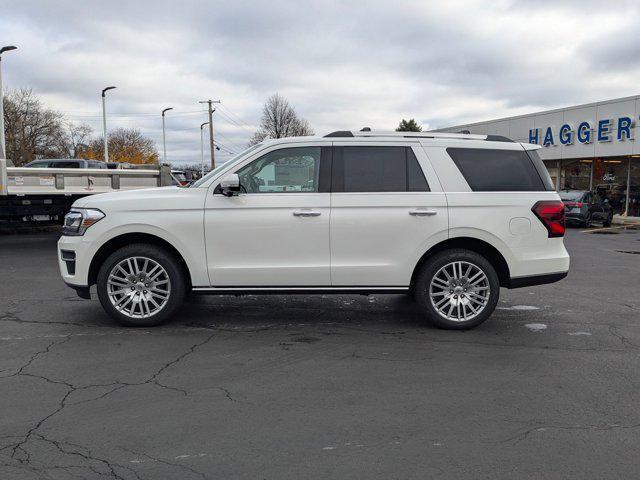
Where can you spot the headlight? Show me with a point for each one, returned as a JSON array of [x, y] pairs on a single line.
[[78, 220]]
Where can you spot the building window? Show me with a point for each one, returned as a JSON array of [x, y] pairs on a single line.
[[576, 174], [609, 182], [606, 177]]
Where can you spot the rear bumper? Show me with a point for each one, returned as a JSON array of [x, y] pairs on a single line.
[[574, 217], [531, 280]]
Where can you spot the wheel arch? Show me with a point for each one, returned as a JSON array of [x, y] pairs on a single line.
[[124, 239], [481, 247]]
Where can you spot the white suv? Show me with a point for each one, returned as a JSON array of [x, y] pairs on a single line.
[[449, 218]]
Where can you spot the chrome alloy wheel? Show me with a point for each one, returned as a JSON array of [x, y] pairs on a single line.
[[459, 291], [138, 287]]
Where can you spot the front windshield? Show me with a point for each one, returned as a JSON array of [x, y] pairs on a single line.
[[216, 170]]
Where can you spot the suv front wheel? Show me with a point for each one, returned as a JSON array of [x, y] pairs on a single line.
[[141, 285], [457, 289]]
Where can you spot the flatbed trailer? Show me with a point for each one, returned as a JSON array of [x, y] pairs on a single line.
[[45, 195]]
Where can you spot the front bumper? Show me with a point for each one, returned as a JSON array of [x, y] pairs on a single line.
[[74, 259], [82, 291]]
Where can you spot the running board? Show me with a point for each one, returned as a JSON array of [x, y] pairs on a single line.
[[298, 290]]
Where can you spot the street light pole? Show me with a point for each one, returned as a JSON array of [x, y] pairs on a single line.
[[104, 124], [164, 142], [211, 144], [3, 152], [202, 149]]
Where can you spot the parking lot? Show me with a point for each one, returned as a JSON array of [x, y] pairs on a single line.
[[323, 387]]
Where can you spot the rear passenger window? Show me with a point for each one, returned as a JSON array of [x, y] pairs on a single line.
[[377, 169], [415, 178], [66, 165], [487, 170]]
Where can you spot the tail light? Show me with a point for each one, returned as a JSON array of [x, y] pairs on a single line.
[[551, 214], [574, 204]]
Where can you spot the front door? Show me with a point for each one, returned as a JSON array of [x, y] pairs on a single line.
[[275, 233], [385, 213]]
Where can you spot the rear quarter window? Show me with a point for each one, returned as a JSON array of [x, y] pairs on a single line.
[[489, 170]]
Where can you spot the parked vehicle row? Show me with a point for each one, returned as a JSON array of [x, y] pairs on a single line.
[[447, 218]]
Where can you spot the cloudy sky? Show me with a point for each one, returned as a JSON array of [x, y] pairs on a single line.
[[343, 65]]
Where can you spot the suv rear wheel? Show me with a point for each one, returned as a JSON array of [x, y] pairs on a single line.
[[457, 289], [141, 285]]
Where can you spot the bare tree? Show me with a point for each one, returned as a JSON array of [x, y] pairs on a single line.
[[32, 131], [74, 139], [279, 119], [125, 145]]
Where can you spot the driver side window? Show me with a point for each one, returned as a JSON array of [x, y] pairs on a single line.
[[288, 170]]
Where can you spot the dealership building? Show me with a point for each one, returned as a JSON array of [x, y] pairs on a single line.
[[587, 147]]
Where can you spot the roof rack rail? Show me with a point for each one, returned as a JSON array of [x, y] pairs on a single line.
[[459, 136], [498, 138], [340, 133]]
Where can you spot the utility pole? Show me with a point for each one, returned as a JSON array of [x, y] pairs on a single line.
[[164, 142], [211, 144], [3, 151], [202, 148], [104, 124]]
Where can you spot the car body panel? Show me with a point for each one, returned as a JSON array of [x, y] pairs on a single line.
[[171, 213], [357, 240]]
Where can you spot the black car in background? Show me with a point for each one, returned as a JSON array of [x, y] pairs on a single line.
[[584, 207]]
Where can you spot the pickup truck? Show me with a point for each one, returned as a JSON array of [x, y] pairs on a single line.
[[36, 195]]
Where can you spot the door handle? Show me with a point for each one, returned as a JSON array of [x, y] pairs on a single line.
[[306, 213], [422, 212]]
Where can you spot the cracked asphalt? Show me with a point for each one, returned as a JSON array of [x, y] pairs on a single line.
[[312, 387]]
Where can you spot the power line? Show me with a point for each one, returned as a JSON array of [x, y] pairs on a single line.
[[130, 115], [229, 140], [125, 113], [229, 113]]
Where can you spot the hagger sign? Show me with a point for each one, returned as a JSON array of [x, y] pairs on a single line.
[[606, 130]]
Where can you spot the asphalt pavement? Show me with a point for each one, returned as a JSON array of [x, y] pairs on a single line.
[[324, 387]]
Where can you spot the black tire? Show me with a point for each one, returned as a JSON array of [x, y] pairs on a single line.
[[173, 269], [433, 266], [608, 221], [587, 221]]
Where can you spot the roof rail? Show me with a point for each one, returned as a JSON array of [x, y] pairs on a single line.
[[340, 133], [498, 138], [458, 136]]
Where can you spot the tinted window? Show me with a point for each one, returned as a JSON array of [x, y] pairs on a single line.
[[542, 170], [415, 178], [65, 164], [288, 170], [38, 165], [377, 169], [487, 170]]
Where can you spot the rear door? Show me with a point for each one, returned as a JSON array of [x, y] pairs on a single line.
[[387, 209]]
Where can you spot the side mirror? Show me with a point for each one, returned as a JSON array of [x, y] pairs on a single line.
[[230, 185]]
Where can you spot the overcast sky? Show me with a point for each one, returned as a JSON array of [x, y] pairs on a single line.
[[342, 65]]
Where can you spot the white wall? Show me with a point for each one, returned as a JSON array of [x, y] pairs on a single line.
[[518, 128]]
